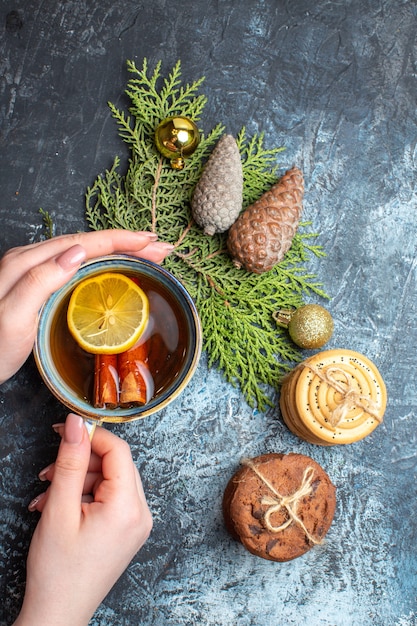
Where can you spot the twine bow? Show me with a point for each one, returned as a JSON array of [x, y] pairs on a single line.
[[289, 503], [350, 397]]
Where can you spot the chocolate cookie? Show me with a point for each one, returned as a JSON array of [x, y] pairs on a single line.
[[279, 505]]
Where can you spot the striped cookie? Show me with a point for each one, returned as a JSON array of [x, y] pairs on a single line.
[[334, 397]]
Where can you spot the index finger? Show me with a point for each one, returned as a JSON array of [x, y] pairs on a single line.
[[95, 243]]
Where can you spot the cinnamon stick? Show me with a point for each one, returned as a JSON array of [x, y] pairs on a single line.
[[136, 382], [106, 381], [125, 379]]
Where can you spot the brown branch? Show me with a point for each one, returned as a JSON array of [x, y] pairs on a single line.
[[154, 190], [213, 254], [184, 233], [209, 279], [214, 286], [185, 255]]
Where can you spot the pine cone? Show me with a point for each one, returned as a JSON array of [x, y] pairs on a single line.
[[217, 198], [263, 233]]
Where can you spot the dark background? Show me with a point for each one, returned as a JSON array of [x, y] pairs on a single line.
[[336, 84]]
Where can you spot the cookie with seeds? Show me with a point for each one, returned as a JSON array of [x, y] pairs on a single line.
[[333, 397]]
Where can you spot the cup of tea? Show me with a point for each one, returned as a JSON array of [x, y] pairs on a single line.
[[171, 342]]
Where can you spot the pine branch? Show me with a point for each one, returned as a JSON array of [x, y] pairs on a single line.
[[232, 303], [255, 161], [48, 223]]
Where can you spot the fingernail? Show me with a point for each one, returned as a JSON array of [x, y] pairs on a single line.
[[166, 246], [42, 474], [58, 427], [74, 429], [149, 235], [71, 258], [32, 505]]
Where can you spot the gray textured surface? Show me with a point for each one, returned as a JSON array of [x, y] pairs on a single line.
[[336, 84]]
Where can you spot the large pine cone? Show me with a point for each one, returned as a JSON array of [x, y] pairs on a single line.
[[263, 233], [218, 195]]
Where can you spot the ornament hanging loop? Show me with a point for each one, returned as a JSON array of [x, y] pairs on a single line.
[[177, 138], [283, 317]]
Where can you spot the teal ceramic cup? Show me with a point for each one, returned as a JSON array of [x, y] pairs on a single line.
[[175, 342]]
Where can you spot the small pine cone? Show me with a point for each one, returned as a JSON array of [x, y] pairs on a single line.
[[218, 195], [263, 233]]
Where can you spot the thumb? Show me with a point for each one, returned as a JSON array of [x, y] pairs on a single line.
[[70, 469], [20, 306]]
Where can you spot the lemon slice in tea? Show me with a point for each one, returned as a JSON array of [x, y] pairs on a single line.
[[107, 313]]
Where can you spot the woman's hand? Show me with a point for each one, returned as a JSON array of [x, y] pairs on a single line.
[[94, 520], [30, 274]]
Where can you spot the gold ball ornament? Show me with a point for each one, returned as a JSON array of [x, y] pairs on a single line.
[[177, 138], [310, 326]]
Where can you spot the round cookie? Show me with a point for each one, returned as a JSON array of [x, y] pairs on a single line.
[[334, 397], [279, 505], [290, 417]]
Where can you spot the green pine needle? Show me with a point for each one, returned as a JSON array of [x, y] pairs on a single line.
[[48, 224], [235, 306]]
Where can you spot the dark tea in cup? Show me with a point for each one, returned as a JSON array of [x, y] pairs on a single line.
[[170, 346]]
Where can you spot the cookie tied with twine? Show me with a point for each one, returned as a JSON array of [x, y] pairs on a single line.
[[334, 397], [279, 505]]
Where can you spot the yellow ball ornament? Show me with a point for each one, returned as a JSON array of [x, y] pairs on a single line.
[[177, 138], [310, 326]]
